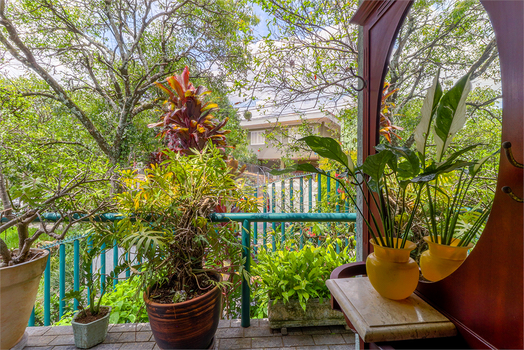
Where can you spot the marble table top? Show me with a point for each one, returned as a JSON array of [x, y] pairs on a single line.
[[377, 319]]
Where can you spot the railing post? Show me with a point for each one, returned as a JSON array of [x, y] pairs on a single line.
[[102, 269], [246, 300], [264, 224], [31, 322], [301, 183], [128, 271], [89, 247], [255, 229], [282, 210], [274, 224], [291, 195], [76, 267], [319, 198], [47, 291], [62, 281], [115, 262]]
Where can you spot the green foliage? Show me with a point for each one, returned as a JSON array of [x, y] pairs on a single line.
[[102, 89], [91, 288], [166, 217], [296, 274], [396, 171], [125, 308]]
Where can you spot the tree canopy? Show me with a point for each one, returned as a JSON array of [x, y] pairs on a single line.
[[97, 60]]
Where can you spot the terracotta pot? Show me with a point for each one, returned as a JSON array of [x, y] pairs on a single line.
[[18, 289], [188, 325], [391, 271], [441, 260]]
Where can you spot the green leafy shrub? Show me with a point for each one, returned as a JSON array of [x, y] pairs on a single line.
[[126, 308], [296, 274]]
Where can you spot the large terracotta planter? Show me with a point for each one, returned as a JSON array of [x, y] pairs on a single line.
[[440, 260], [391, 271], [18, 289], [188, 325]]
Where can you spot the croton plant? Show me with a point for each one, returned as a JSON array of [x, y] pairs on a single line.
[[187, 122]]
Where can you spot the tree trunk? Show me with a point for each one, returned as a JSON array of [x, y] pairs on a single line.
[[4, 197]]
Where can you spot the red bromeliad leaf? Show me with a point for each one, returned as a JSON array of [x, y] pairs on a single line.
[[188, 123]]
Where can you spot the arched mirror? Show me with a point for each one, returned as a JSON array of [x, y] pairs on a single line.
[[447, 49]]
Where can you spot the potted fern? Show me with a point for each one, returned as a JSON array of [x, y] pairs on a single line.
[[290, 285]]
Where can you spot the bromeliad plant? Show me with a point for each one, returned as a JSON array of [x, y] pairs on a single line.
[[187, 123]]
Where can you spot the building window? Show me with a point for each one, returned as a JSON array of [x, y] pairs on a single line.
[[258, 137]]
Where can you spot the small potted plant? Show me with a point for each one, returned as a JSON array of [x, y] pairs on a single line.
[[290, 284], [166, 223], [91, 322]]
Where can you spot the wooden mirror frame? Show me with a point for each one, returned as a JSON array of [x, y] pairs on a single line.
[[484, 297]]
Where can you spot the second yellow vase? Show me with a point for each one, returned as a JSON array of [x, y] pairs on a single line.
[[441, 260], [391, 271]]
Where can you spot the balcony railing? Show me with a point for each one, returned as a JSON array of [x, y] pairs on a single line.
[[248, 224]]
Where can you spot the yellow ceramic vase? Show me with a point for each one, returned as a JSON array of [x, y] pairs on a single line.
[[441, 260], [391, 271]]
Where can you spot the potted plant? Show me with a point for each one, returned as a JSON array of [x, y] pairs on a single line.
[[70, 198], [390, 269], [91, 322], [445, 115], [167, 227], [290, 284], [397, 176]]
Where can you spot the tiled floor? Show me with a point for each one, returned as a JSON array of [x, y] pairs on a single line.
[[229, 336]]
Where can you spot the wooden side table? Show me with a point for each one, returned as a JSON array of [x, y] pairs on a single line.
[[377, 319]]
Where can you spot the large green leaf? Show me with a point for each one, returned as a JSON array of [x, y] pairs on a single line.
[[329, 148], [405, 169], [427, 111], [375, 164], [451, 114]]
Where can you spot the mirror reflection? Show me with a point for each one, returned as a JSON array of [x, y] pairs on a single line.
[[446, 52]]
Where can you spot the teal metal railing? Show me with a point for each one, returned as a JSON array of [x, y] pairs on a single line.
[[269, 214], [247, 218]]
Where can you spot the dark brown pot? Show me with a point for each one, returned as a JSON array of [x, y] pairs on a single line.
[[188, 325]]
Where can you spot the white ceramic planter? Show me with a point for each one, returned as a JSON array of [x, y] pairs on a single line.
[[18, 289], [90, 334]]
